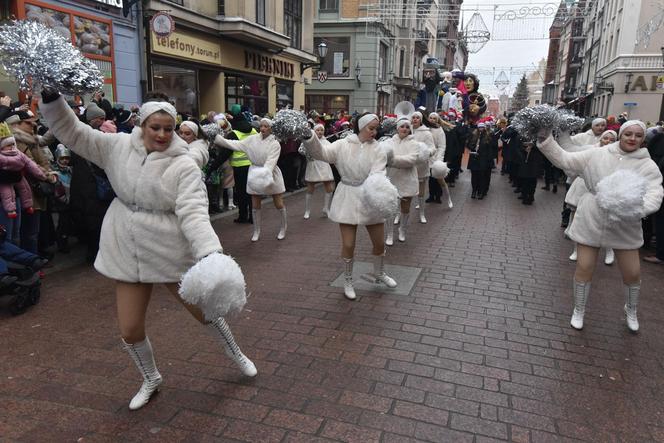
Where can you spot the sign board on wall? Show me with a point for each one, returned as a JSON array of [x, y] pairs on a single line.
[[114, 3], [182, 45]]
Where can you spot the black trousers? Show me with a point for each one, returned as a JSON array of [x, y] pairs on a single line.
[[551, 173], [243, 199], [528, 186], [659, 233], [435, 190], [480, 181]]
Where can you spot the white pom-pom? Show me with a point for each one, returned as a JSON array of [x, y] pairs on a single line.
[[380, 196], [621, 195], [439, 169], [260, 178], [424, 153], [216, 285]]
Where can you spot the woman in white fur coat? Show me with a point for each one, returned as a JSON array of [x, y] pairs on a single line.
[[595, 225], [592, 135], [264, 177], [578, 188], [356, 157], [155, 229], [318, 171], [402, 172], [423, 135]]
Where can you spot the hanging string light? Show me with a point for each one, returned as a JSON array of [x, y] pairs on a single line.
[[476, 34]]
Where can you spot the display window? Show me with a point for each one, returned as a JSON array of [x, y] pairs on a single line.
[[285, 93], [247, 91], [328, 104], [93, 36], [179, 84]]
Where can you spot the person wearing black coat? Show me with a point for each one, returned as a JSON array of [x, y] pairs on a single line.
[[511, 146], [530, 163], [480, 160], [455, 136], [656, 150]]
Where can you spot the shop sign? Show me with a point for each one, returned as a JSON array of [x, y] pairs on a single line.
[[322, 76], [641, 83], [268, 65], [179, 45], [660, 82], [114, 3], [162, 24]]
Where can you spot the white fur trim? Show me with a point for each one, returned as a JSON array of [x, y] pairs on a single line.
[[365, 120], [439, 169], [260, 178], [629, 123], [621, 195], [191, 125], [380, 196], [597, 121], [149, 108], [216, 285], [404, 121], [319, 125]]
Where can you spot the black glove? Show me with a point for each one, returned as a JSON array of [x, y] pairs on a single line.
[[49, 94]]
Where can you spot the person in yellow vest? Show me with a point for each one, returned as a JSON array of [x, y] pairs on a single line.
[[240, 163]]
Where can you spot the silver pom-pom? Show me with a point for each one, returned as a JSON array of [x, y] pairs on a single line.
[[211, 130], [388, 126], [529, 121], [289, 123], [36, 55], [568, 121]]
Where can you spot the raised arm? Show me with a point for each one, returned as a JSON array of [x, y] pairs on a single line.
[[90, 144], [316, 150], [235, 145], [574, 162], [192, 212], [32, 168]]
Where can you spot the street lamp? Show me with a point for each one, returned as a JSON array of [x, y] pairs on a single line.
[[358, 73], [322, 52]]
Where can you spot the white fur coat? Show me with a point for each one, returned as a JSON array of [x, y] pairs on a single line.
[[591, 225], [440, 141], [423, 135], [402, 170], [162, 240], [354, 161], [262, 152]]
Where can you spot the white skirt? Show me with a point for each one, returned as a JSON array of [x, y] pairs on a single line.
[[318, 171]]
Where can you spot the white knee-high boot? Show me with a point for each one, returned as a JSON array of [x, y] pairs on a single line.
[[573, 256], [284, 224], [389, 230], [402, 226], [349, 291], [231, 205], [326, 206], [307, 205], [423, 219], [581, 293], [231, 348], [256, 215], [610, 257], [379, 275], [632, 293], [143, 357]]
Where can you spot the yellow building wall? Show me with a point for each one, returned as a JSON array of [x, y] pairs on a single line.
[[212, 87]]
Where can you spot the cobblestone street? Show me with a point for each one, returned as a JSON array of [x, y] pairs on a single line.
[[480, 350]]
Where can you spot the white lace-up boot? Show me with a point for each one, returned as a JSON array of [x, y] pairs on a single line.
[[423, 219], [284, 224], [402, 226], [307, 205], [379, 275], [326, 206], [231, 348], [143, 357], [631, 301], [349, 291], [256, 215], [610, 257], [389, 236], [581, 292], [574, 255], [397, 219]]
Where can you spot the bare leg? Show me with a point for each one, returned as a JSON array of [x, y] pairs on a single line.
[[629, 265], [586, 261], [329, 186], [132, 305]]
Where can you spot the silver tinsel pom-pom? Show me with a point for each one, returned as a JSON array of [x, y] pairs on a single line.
[[36, 55], [388, 126], [568, 121], [211, 130], [529, 121], [289, 123]]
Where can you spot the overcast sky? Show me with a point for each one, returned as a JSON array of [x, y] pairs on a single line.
[[513, 42]]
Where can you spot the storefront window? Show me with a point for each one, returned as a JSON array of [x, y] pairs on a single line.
[[247, 91], [179, 84], [328, 104], [337, 61], [284, 95]]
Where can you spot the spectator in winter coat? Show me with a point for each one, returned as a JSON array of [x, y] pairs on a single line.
[[530, 161], [480, 144]]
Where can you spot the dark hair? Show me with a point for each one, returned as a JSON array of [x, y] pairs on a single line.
[[476, 80], [156, 96]]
